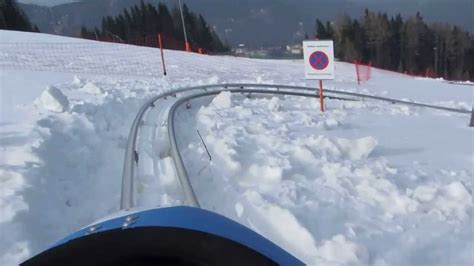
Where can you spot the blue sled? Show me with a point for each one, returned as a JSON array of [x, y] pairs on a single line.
[[166, 236]]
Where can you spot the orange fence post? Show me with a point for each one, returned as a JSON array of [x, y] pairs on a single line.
[[160, 43], [188, 47]]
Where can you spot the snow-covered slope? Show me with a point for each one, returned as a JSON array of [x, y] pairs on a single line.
[[363, 183]]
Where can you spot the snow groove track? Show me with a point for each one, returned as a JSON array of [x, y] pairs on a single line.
[[131, 154]]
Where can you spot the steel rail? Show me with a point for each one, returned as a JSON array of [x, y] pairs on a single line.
[[131, 155], [354, 94], [127, 199]]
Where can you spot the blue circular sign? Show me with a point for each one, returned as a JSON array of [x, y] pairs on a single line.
[[319, 60]]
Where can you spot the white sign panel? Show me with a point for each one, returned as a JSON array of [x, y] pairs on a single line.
[[319, 59]]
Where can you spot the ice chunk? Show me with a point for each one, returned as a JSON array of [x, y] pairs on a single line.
[[454, 201], [424, 193], [222, 100], [341, 251], [357, 149], [53, 99], [92, 89], [274, 104], [77, 80], [239, 209]]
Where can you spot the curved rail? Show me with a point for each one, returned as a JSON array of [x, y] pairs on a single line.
[[131, 155], [127, 200]]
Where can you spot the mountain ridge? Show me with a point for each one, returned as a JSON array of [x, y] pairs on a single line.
[[253, 22]]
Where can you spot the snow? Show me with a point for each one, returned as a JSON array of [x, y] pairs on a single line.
[[341, 251], [365, 183], [223, 100], [53, 99], [91, 88], [356, 184]]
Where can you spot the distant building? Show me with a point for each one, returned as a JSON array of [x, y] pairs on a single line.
[[296, 49], [241, 50]]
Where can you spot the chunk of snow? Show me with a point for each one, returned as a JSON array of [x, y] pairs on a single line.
[[92, 89], [357, 149], [239, 209], [387, 196], [222, 100], [53, 99], [274, 104], [454, 201], [213, 80], [288, 229], [77, 80], [341, 251], [425, 193], [266, 173]]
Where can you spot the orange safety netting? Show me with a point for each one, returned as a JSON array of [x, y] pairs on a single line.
[[152, 40], [363, 71]]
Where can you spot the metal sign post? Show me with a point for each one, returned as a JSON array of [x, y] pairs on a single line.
[[319, 63], [187, 45]]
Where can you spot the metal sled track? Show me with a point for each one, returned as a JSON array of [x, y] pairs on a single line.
[[185, 94]]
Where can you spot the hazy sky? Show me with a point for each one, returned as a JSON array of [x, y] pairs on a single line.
[[57, 2], [46, 2]]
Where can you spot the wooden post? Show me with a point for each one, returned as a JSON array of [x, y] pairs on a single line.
[[160, 43], [321, 95]]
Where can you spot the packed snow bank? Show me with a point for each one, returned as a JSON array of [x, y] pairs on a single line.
[[359, 184], [449, 201], [71, 169]]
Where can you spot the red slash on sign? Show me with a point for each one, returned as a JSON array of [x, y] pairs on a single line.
[[319, 60]]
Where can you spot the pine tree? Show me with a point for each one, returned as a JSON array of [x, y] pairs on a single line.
[[320, 30], [409, 46], [205, 35], [13, 18], [146, 20], [166, 20]]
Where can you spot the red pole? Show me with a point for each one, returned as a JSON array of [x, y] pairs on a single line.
[[188, 47], [162, 54], [321, 95]]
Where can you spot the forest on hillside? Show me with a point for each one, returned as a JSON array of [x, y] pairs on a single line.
[[411, 45], [146, 19], [13, 18]]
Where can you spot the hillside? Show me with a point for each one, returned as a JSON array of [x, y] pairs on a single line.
[[365, 183]]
